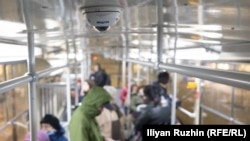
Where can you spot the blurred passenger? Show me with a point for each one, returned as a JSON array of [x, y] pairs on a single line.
[[79, 87], [83, 125], [140, 105], [107, 78], [141, 93], [92, 75], [51, 125], [108, 114], [76, 93], [123, 96], [104, 121], [72, 95], [113, 92], [154, 113], [116, 115], [135, 98], [101, 75], [105, 118], [41, 136], [162, 81], [86, 86]]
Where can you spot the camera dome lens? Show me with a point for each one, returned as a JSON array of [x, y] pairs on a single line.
[[102, 28]]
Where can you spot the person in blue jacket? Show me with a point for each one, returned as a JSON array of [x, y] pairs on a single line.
[[51, 125]]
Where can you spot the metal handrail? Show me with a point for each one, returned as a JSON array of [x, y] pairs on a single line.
[[186, 112], [13, 120], [13, 83], [13, 62], [149, 64], [25, 111], [232, 78], [64, 105], [49, 70], [51, 98], [215, 112], [49, 85], [236, 79]]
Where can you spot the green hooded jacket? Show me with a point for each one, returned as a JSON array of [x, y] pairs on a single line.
[[83, 126]]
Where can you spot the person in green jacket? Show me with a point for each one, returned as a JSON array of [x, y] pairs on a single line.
[[135, 98], [83, 125]]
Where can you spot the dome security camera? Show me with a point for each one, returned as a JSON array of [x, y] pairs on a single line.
[[102, 17], [101, 28]]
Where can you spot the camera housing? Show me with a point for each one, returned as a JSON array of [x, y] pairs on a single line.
[[102, 17], [101, 28]]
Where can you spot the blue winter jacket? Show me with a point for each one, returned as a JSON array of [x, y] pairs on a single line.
[[57, 135]]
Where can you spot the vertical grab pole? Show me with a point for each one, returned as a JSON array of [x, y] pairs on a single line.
[[232, 103], [124, 68], [33, 124], [147, 74], [173, 110], [71, 7], [125, 44], [124, 58], [89, 57], [159, 31], [232, 100], [68, 83], [197, 109], [197, 103], [76, 72], [83, 62], [129, 86], [138, 74], [138, 66], [201, 98]]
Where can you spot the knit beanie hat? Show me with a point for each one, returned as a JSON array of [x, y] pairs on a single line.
[[51, 120]]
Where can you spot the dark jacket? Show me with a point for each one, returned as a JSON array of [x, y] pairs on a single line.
[[92, 75], [163, 90], [83, 125], [153, 115], [57, 135], [164, 93]]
